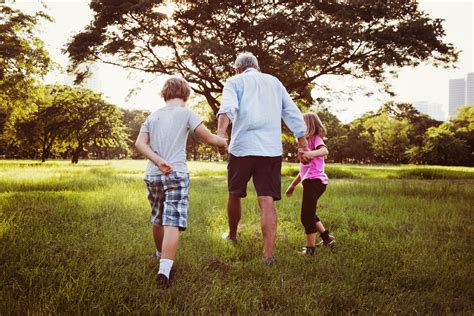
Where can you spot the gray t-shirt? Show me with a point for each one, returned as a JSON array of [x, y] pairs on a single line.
[[168, 128]]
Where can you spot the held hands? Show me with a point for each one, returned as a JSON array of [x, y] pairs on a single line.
[[302, 149], [223, 147], [308, 156], [164, 166], [304, 155]]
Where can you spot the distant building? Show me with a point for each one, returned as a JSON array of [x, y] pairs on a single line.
[[470, 89], [457, 95], [433, 110], [93, 82]]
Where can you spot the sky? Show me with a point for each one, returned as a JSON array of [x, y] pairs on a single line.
[[423, 83]]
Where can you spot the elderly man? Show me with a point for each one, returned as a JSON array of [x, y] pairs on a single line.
[[255, 103]]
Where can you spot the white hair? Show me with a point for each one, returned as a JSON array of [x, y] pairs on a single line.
[[246, 60]]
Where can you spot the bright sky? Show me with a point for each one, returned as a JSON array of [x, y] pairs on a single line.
[[423, 83]]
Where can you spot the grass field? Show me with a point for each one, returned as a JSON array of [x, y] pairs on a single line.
[[76, 239]]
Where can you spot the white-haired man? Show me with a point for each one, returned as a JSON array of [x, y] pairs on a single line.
[[255, 103]]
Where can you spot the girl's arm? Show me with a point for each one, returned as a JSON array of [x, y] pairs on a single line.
[[292, 186], [143, 147], [320, 151]]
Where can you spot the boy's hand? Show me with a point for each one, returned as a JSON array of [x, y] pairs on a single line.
[[289, 191], [164, 166]]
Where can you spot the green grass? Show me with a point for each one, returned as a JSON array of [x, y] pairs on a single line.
[[76, 239]]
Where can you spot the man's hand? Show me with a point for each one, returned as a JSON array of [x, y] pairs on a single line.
[[289, 191], [302, 148], [223, 149], [164, 166], [223, 122], [302, 143]]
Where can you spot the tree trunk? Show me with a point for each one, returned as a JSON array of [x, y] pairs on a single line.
[[44, 154], [75, 155]]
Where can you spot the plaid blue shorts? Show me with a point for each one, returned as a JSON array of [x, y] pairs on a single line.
[[168, 196]]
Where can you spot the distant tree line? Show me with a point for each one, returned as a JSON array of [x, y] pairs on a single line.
[[398, 133], [72, 123]]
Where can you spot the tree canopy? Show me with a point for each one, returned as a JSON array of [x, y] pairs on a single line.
[[69, 122], [296, 41], [23, 57]]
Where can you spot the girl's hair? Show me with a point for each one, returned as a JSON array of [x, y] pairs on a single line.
[[314, 125], [176, 87]]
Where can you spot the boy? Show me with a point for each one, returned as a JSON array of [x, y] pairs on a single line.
[[162, 140]]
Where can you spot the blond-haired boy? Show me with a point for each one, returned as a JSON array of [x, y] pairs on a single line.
[[162, 140]]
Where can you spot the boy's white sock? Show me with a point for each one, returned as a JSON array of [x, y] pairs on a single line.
[[158, 254], [165, 267]]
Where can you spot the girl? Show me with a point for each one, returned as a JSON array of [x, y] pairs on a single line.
[[314, 184]]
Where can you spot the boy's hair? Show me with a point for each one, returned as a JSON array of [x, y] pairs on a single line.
[[314, 125], [176, 88]]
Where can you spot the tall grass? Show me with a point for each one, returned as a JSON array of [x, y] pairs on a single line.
[[76, 240]]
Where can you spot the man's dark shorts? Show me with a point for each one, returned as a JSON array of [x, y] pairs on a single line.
[[265, 172]]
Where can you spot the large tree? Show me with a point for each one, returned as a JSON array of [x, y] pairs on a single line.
[[442, 147], [297, 41], [133, 120], [43, 131], [23, 62], [463, 128], [91, 121], [390, 137], [419, 122], [70, 121], [23, 57]]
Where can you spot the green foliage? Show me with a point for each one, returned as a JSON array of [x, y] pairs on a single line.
[[359, 143], [441, 146], [23, 62], [451, 143], [419, 122], [23, 57], [90, 120], [133, 120], [390, 137], [69, 121], [297, 41], [463, 128], [75, 239]]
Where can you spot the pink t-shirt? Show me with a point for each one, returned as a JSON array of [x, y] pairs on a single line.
[[315, 168]]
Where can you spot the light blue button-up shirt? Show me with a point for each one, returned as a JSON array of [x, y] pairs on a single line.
[[255, 103]]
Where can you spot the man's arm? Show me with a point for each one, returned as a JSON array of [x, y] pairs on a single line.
[[222, 124], [142, 145], [294, 119], [228, 110], [230, 101]]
